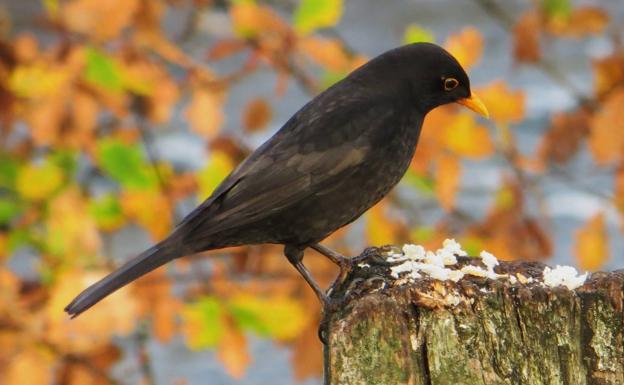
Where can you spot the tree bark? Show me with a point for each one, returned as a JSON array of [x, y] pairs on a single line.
[[476, 331]]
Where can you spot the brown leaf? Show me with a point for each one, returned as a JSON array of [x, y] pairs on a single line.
[[606, 138], [564, 136], [225, 48], [257, 115], [447, 180], [592, 244], [526, 38]]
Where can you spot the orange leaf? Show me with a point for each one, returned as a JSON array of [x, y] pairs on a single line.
[[608, 73], [466, 46], [619, 191], [150, 208], [505, 105], [29, 366], [328, 53], [233, 351], [102, 20], [526, 38], [115, 315], [465, 137], [592, 244], [205, 113], [250, 19], [606, 138], [257, 115], [447, 180], [582, 21], [379, 229]]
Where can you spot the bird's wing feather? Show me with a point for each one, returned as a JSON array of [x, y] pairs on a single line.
[[285, 171]]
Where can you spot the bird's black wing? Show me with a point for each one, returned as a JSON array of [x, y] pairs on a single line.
[[311, 154]]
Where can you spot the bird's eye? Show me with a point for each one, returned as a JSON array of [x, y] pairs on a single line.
[[450, 83]]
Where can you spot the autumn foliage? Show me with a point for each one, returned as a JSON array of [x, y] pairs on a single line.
[[81, 106]]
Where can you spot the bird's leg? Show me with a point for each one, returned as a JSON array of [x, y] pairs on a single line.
[[295, 257], [337, 258]]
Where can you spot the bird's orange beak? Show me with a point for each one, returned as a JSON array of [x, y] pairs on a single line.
[[474, 103]]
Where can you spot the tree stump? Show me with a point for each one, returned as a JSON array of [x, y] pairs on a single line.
[[476, 331]]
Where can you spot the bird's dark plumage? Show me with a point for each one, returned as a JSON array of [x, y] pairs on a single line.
[[335, 158]]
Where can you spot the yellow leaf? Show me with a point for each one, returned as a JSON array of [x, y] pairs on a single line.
[[466, 46], [205, 113], [257, 114], [150, 209], [215, 171], [115, 315], [504, 105], [447, 180], [606, 138], [71, 231], [38, 182], [37, 80], [465, 137], [592, 244]]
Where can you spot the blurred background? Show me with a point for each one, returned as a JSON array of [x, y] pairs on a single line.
[[117, 117]]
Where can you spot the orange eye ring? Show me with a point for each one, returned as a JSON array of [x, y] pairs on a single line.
[[450, 83]]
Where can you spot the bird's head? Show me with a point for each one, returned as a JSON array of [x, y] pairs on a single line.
[[427, 75]]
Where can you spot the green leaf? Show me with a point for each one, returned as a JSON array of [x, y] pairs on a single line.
[[423, 184], [473, 245], [279, 317], [204, 323], [422, 234], [125, 164], [19, 238], [103, 71], [8, 172], [414, 33], [314, 14], [329, 78], [557, 8], [107, 212], [9, 209]]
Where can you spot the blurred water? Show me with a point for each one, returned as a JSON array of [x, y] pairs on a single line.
[[371, 27]]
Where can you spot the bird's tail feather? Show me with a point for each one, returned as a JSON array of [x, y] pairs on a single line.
[[142, 264]]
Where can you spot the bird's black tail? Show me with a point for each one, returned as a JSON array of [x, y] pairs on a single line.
[[142, 264]]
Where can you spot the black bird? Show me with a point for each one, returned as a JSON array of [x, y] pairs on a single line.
[[334, 159]]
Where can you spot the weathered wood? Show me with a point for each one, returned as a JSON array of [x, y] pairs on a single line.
[[476, 331]]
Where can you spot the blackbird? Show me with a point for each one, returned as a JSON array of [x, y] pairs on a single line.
[[335, 158]]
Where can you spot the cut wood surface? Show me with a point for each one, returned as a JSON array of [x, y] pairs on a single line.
[[388, 330]]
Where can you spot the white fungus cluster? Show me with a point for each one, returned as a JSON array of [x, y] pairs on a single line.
[[563, 276], [416, 261]]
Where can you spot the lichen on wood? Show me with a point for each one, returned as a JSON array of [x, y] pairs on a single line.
[[384, 330]]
